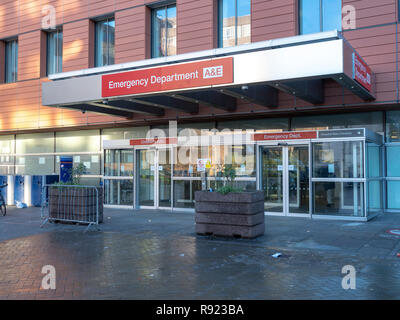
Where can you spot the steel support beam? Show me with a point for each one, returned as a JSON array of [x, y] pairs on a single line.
[[209, 98], [98, 109], [168, 102], [311, 91], [130, 106], [259, 94]]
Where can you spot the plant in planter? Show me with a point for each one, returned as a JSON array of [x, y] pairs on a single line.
[[230, 211], [74, 202]]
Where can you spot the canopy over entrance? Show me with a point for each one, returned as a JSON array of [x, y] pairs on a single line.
[[254, 72]]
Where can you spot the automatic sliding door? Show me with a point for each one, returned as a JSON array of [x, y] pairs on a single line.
[[286, 179], [299, 180], [164, 178], [272, 178], [146, 177]]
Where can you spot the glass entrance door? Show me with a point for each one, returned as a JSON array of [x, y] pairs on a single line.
[[154, 178], [285, 179]]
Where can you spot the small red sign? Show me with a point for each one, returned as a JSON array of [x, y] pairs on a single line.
[[285, 136], [362, 73], [155, 141], [180, 76]]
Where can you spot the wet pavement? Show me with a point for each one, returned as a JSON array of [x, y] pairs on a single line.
[[156, 255]]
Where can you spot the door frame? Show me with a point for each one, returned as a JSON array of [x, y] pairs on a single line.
[[285, 144], [156, 191]]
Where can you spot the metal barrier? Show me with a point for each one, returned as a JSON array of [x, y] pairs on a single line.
[[75, 204]]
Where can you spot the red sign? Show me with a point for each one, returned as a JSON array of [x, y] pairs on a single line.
[[180, 76], [285, 136], [149, 142], [362, 73]]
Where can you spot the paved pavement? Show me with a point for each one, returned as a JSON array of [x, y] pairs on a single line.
[[157, 255]]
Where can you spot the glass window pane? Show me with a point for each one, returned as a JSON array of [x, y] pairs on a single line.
[[118, 192], [184, 193], [78, 141], [111, 42], [369, 120], [59, 51], [393, 191], [171, 31], [7, 144], [331, 15], [34, 165], [54, 52], [374, 163], [105, 43], [227, 23], [7, 148], [11, 61], [159, 33], [393, 164], [35, 143], [340, 199], [338, 160], [393, 126], [243, 29], [51, 53], [374, 196], [310, 16], [124, 133]]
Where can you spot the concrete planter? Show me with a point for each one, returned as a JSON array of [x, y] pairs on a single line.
[[231, 215], [75, 204]]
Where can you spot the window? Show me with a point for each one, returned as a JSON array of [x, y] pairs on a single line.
[[163, 35], [54, 52], [320, 15], [11, 61], [234, 22], [104, 42]]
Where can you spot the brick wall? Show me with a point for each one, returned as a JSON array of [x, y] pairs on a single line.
[[20, 102]]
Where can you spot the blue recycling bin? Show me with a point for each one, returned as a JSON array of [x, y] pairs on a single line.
[[3, 191], [19, 183], [37, 187], [36, 192]]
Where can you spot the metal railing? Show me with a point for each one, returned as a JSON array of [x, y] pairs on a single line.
[[71, 203]]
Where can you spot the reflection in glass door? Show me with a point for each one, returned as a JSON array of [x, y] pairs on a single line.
[[299, 180], [286, 179], [146, 177], [164, 178], [272, 178]]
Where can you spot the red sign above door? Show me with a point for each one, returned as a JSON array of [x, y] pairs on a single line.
[[361, 72], [153, 141], [285, 136], [175, 77]]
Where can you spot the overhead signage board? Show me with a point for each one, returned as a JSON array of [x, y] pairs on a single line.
[[285, 136], [351, 133], [174, 77], [362, 72]]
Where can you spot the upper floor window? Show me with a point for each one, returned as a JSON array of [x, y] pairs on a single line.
[[234, 23], [163, 31], [11, 61], [320, 15], [54, 52], [104, 42]]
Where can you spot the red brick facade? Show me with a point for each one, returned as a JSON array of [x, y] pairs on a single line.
[[375, 39]]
